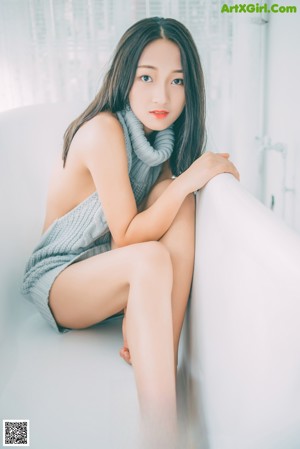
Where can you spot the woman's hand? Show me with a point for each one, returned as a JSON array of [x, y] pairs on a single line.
[[205, 168]]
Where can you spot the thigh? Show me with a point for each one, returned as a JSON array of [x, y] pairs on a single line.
[[93, 289]]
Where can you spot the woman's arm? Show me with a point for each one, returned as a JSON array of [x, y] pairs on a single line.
[[103, 152]]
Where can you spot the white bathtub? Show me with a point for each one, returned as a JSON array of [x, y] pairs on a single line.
[[242, 343], [240, 358]]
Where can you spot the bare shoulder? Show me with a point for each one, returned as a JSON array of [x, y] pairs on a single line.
[[104, 128], [103, 120], [91, 151]]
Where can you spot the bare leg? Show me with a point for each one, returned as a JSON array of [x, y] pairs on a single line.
[[140, 278], [179, 240]]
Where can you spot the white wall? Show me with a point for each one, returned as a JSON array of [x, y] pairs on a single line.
[[282, 119], [256, 116], [235, 112]]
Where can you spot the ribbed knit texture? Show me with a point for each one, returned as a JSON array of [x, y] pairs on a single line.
[[83, 232]]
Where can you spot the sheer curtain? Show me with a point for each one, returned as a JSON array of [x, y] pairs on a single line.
[[58, 50], [53, 50]]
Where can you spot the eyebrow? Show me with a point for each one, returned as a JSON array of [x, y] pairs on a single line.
[[155, 68]]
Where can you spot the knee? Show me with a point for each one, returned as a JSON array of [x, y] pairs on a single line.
[[152, 260]]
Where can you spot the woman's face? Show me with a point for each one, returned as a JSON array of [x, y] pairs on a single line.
[[157, 95]]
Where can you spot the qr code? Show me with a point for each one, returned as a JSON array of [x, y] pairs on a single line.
[[15, 432]]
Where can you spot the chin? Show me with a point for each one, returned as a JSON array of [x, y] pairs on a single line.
[[155, 129], [159, 126]]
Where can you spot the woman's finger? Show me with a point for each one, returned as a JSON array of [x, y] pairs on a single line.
[[224, 154]]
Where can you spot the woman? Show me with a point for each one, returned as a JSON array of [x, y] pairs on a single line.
[[119, 226]]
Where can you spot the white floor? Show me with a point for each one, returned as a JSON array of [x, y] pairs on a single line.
[[74, 388]]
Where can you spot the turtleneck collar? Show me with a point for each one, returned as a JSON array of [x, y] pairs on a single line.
[[151, 155]]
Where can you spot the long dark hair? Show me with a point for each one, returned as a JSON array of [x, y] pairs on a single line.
[[189, 128]]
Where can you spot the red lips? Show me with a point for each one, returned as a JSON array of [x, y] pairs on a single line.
[[159, 113]]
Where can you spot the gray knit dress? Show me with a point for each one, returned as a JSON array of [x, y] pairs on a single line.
[[83, 232]]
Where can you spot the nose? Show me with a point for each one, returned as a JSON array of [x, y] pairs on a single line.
[[160, 94]]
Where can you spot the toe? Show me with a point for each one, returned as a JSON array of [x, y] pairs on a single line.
[[125, 354]]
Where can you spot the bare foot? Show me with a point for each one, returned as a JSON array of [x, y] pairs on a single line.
[[124, 352]]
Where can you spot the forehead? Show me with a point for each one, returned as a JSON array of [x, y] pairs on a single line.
[[161, 52]]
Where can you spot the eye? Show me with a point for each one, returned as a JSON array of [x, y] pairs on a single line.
[[178, 82], [146, 78]]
